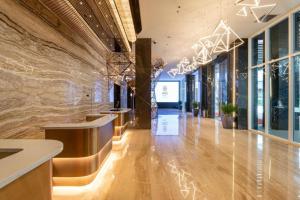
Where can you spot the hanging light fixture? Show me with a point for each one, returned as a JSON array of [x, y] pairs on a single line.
[[225, 35], [203, 51], [258, 10], [173, 72], [183, 67], [247, 3]]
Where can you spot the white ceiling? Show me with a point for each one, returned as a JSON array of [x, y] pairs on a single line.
[[175, 32]]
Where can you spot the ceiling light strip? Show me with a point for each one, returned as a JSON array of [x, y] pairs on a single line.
[[120, 26], [123, 7]]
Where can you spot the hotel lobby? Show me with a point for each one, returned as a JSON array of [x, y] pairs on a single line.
[[149, 100]]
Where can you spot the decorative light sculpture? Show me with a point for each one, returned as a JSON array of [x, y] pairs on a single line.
[[266, 9], [225, 35], [173, 72], [183, 67], [247, 3], [203, 52], [242, 12], [223, 39], [255, 7]]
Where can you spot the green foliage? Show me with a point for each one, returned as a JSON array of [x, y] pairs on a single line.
[[195, 105], [229, 109]]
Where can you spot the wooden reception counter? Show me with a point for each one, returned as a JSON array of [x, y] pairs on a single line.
[[86, 145], [25, 168], [121, 122]]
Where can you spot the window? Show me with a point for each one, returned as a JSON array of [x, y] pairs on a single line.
[[279, 40], [297, 31], [258, 94], [297, 99], [258, 51], [279, 98]]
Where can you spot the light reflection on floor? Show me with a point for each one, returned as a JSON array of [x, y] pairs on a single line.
[[102, 182], [167, 125], [204, 161]]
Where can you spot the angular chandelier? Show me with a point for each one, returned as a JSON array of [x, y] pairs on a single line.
[[258, 10], [218, 42], [183, 67], [224, 36], [223, 39], [203, 50]]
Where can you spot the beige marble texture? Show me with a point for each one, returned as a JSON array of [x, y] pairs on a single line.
[[188, 158], [45, 77]]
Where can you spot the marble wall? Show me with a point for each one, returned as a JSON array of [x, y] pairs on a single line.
[[45, 76]]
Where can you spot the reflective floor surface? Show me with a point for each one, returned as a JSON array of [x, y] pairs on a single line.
[[191, 158]]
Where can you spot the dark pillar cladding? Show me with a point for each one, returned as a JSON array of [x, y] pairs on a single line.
[[143, 83], [117, 96], [242, 85], [190, 92], [207, 98]]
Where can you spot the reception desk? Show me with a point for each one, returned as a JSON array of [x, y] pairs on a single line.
[[26, 168], [121, 123], [86, 145]]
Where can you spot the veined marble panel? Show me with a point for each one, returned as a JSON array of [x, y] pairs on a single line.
[[44, 77]]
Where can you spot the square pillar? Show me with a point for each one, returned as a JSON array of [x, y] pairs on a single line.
[[143, 83]]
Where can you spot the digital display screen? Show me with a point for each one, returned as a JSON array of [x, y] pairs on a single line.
[[167, 92]]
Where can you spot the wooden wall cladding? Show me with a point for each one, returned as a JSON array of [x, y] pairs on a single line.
[[46, 74], [35, 185]]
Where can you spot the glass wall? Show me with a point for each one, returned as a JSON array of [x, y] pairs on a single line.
[[258, 51], [276, 115], [296, 67], [220, 86], [279, 98], [279, 40], [297, 99], [297, 32], [258, 94], [273, 89]]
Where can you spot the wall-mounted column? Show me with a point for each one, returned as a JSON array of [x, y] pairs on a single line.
[[143, 83]]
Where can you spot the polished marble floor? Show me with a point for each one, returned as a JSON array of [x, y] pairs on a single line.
[[191, 158]]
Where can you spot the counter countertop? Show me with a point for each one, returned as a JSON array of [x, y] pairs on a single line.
[[122, 110], [33, 153], [83, 125]]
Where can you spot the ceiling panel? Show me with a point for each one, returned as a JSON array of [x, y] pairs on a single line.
[[175, 25]]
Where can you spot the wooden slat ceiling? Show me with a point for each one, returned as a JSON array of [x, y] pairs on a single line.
[[97, 15], [91, 19]]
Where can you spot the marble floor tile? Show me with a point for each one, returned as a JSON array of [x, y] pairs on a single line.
[[202, 161]]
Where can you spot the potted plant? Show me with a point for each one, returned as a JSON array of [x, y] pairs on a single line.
[[196, 109], [227, 117]]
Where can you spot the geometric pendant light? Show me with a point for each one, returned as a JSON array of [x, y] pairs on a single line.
[[260, 12], [225, 36], [255, 7], [223, 39]]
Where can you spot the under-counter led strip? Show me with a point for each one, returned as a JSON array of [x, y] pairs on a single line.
[[100, 180]]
